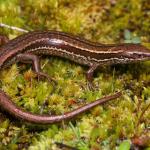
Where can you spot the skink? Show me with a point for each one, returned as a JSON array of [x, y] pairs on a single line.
[[27, 47]]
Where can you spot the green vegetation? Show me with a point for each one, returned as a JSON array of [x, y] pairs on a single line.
[[111, 126]]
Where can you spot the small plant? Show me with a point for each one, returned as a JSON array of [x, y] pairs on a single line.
[[130, 38]]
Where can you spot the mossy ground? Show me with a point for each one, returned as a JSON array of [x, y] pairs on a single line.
[[111, 126]]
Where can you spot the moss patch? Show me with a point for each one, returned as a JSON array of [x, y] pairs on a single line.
[[111, 126]]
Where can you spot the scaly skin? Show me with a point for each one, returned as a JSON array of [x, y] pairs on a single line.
[[28, 46]]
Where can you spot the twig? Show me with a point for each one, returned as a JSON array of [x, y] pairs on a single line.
[[13, 28], [61, 145], [142, 114]]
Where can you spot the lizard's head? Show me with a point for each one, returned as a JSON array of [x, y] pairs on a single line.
[[136, 52]]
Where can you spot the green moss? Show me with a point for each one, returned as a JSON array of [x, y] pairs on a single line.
[[104, 126]]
